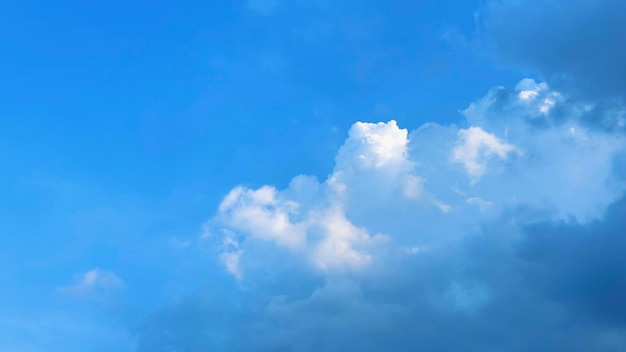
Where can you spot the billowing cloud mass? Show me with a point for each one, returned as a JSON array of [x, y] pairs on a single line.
[[498, 234]]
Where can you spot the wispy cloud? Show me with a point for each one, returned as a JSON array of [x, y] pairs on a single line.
[[93, 282]]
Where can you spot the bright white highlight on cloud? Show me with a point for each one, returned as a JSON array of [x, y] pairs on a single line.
[[308, 218], [529, 92], [391, 190], [493, 227], [262, 213], [374, 146], [324, 236], [528, 89], [476, 147]]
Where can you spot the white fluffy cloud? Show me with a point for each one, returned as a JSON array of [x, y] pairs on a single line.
[[476, 147], [308, 218], [446, 237], [391, 189]]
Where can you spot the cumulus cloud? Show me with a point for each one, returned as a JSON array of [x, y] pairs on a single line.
[[500, 233], [474, 149], [308, 218]]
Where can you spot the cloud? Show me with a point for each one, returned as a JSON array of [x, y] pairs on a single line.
[[475, 148], [500, 233], [308, 219], [93, 282], [585, 272], [576, 45]]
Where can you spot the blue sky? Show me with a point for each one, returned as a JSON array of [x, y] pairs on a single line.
[[309, 175]]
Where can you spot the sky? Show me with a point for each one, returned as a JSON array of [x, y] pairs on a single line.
[[312, 175]]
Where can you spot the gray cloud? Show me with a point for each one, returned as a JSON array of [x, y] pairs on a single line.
[[551, 286], [577, 45], [581, 265]]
